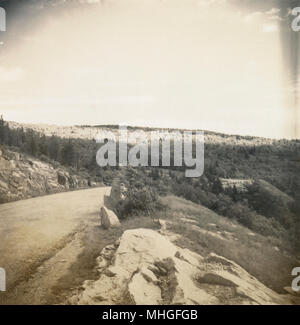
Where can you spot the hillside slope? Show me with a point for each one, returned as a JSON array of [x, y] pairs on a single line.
[[203, 231], [226, 156], [22, 176]]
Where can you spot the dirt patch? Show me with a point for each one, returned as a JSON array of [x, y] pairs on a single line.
[[93, 241], [11, 294]]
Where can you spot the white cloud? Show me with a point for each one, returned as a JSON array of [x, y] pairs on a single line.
[[273, 11], [265, 21], [253, 17], [269, 28], [273, 14]]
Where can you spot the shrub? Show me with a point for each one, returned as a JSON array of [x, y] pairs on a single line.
[[140, 196], [269, 205]]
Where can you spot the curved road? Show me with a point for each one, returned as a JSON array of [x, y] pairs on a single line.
[[40, 239]]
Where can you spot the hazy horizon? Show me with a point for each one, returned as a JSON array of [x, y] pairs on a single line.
[[154, 126], [216, 65]]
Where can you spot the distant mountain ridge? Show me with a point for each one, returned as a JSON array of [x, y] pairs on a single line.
[[90, 132]]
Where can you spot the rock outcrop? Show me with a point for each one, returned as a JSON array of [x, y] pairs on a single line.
[[239, 184], [24, 177], [117, 194], [145, 267], [108, 218]]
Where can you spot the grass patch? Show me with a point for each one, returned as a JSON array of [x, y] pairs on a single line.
[[257, 254]]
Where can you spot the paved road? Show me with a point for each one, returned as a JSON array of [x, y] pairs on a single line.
[[35, 230]]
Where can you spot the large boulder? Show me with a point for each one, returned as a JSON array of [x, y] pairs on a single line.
[[108, 218], [145, 267]]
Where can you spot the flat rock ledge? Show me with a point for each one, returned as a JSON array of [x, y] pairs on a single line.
[[145, 267]]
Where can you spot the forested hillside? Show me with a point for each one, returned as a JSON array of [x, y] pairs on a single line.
[[269, 205]]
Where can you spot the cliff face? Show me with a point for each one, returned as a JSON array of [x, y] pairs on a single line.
[[23, 177]]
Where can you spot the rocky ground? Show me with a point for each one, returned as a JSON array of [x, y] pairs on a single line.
[[145, 267]]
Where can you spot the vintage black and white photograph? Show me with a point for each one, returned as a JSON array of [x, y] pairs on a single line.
[[149, 153]]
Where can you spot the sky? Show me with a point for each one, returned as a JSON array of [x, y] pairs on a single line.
[[216, 65]]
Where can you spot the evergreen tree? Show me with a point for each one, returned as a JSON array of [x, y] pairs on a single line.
[[68, 154]]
